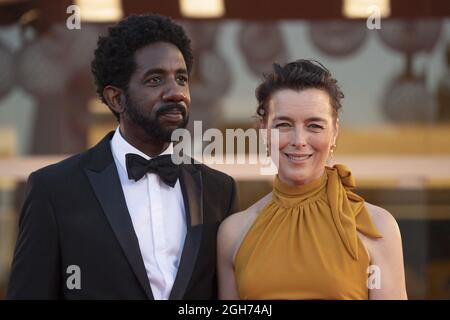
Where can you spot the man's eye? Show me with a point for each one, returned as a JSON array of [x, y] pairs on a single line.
[[183, 79], [153, 80]]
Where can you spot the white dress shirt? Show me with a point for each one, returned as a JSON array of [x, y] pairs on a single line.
[[158, 215]]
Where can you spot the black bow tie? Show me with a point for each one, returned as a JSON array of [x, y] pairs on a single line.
[[138, 166]]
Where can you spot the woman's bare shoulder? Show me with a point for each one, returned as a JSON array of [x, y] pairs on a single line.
[[384, 221], [235, 220], [233, 229], [387, 254]]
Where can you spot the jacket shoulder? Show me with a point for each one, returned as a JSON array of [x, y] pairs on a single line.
[[61, 170], [74, 165]]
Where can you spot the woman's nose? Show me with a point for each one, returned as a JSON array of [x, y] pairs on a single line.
[[299, 138]]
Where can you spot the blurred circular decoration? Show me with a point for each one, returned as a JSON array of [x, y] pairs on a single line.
[[41, 66], [212, 78], [80, 44], [410, 36], [202, 34], [262, 44], [6, 66], [46, 63], [407, 100], [338, 38]]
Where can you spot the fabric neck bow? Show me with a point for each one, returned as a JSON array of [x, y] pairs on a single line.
[[163, 166]]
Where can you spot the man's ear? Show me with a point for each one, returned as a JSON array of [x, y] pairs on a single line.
[[114, 98]]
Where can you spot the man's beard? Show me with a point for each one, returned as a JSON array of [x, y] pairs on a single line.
[[149, 122]]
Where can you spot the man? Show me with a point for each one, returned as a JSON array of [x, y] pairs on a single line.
[[121, 221]]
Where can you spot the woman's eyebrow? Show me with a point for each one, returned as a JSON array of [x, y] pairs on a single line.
[[282, 118], [316, 119]]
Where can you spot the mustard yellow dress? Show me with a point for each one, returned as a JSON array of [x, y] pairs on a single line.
[[304, 243]]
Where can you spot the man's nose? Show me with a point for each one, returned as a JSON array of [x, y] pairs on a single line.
[[174, 92]]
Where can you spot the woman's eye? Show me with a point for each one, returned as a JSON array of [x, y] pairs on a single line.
[[315, 126], [282, 125]]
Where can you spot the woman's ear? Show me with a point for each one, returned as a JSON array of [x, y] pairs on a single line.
[[262, 124], [336, 131]]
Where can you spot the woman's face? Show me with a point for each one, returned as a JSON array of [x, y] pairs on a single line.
[[307, 131]]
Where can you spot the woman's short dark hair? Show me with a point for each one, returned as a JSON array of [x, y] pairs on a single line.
[[114, 62], [298, 75]]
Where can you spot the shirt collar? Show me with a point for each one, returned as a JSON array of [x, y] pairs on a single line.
[[120, 147]]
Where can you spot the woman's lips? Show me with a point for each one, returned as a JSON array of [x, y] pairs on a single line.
[[298, 158]]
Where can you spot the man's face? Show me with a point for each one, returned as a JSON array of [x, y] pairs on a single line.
[[157, 99]]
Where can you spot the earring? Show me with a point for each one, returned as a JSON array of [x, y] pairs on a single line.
[[331, 155]]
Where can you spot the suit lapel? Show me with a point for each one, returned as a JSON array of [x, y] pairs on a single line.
[[191, 187], [103, 176]]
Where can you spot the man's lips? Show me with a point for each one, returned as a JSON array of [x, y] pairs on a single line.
[[173, 115]]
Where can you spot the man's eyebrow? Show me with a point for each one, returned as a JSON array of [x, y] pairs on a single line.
[[162, 71], [152, 71]]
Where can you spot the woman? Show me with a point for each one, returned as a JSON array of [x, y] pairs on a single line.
[[311, 237]]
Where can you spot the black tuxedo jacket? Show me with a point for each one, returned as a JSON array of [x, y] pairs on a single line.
[[75, 214]]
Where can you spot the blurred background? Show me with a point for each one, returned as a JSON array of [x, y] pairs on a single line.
[[395, 74]]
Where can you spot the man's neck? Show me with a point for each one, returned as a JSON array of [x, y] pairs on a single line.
[[139, 139]]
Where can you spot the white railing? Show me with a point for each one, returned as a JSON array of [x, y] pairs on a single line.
[[408, 171]]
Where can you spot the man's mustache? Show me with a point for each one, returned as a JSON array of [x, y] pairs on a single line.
[[171, 107]]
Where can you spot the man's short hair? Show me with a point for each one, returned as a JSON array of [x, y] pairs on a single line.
[[114, 61]]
